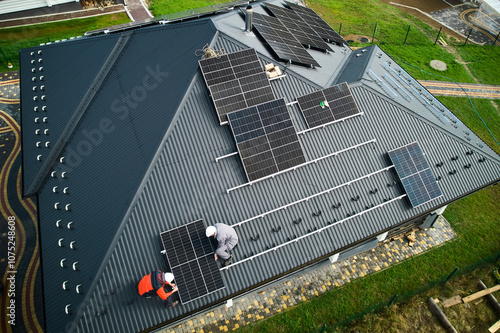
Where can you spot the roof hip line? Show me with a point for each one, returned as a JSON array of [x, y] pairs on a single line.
[[79, 112]]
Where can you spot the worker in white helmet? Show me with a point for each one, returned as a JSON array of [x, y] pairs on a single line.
[[157, 282], [226, 239]]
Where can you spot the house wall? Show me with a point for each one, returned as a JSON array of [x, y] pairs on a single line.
[[422, 223], [488, 18]]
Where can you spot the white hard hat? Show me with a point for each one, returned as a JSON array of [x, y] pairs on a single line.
[[210, 230], [169, 277]]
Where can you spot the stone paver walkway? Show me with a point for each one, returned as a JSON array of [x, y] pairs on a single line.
[[282, 295], [137, 10], [474, 90]]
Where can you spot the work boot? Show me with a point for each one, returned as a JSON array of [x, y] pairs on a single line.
[[227, 262], [175, 303]]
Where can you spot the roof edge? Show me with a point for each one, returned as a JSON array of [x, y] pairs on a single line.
[[496, 156]]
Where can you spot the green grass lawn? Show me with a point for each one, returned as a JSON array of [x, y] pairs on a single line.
[[14, 39], [413, 314], [162, 7], [481, 60], [462, 108], [415, 59]]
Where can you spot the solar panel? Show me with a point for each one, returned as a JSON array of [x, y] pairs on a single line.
[[328, 105], [236, 81], [304, 34], [415, 174], [317, 24], [191, 259], [266, 139], [282, 41]]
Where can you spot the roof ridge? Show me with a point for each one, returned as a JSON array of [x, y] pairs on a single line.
[[135, 199], [79, 112]]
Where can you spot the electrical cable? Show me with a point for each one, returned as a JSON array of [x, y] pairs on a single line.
[[458, 84]]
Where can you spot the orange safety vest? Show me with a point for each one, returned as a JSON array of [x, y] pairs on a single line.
[[146, 285]]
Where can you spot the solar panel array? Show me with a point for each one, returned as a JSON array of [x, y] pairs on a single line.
[[191, 260], [266, 139], [328, 105], [304, 34], [282, 41], [317, 24], [236, 81], [415, 174]]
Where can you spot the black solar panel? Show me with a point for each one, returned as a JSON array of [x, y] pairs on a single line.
[[317, 24], [327, 105], [236, 81], [282, 41], [415, 174], [191, 259], [304, 34], [266, 139]]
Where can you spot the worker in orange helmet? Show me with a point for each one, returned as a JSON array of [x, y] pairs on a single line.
[[157, 282]]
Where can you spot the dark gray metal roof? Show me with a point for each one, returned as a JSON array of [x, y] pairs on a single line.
[[156, 170], [62, 93], [108, 153]]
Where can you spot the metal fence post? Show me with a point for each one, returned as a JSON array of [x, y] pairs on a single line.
[[407, 33], [439, 32], [323, 328], [4, 56], [449, 276], [374, 31], [468, 37], [340, 29], [392, 300]]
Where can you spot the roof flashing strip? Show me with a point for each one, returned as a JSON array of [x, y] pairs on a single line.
[[75, 119]]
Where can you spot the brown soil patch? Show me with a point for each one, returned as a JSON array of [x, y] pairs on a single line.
[[459, 60], [414, 315], [424, 5], [357, 37]]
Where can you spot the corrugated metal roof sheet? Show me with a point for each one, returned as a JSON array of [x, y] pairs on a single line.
[[43, 74], [157, 170], [187, 184], [115, 141]]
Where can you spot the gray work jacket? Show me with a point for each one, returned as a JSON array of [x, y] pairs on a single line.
[[226, 236]]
